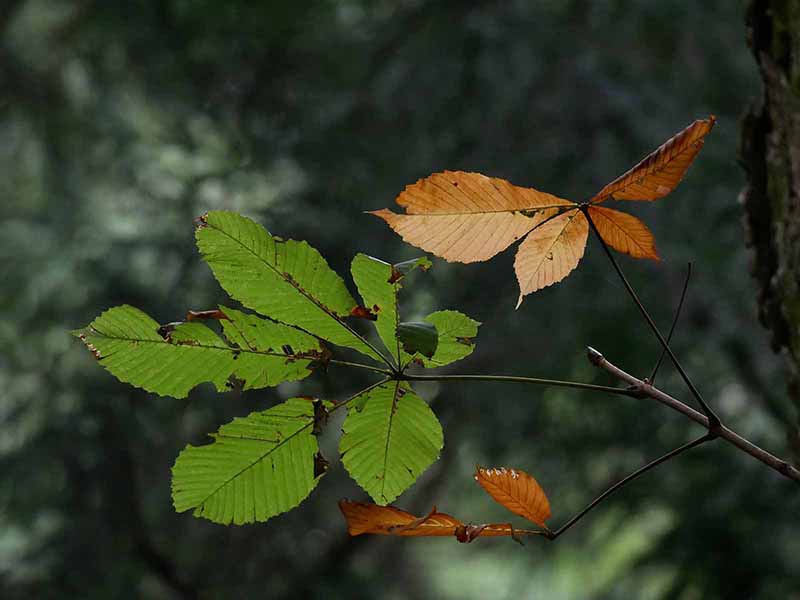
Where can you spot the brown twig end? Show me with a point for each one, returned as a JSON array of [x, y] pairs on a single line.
[[594, 356]]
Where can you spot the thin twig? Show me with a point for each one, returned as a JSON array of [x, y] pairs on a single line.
[[713, 419], [652, 378], [531, 380], [640, 471], [360, 366], [646, 390]]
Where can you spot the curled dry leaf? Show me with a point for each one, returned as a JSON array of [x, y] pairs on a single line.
[[203, 315], [363, 518], [469, 217], [518, 491]]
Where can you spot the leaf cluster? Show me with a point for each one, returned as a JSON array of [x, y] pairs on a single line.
[[267, 462]]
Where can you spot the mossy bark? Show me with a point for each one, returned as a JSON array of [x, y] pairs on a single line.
[[770, 152]]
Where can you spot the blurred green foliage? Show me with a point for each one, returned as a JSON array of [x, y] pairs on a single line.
[[121, 121]]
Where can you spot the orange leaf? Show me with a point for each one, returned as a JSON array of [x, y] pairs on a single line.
[[661, 171], [388, 520], [624, 232], [468, 217], [550, 252], [517, 491]]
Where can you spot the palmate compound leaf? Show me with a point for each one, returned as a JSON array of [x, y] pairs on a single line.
[[388, 520], [468, 217], [257, 467], [263, 353], [390, 437], [517, 491], [285, 280]]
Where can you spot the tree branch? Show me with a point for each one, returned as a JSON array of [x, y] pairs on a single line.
[[713, 419], [644, 389]]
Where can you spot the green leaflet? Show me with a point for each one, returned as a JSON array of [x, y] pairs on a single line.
[[457, 334], [127, 343], [389, 443], [288, 281], [380, 297], [418, 337], [257, 467], [379, 283]]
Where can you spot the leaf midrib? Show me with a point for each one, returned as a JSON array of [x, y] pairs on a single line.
[[257, 460], [489, 212], [230, 349], [388, 439]]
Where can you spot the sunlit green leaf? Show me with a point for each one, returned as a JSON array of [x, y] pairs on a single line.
[[372, 277], [457, 334], [389, 443], [285, 280], [257, 467], [379, 283], [128, 344]]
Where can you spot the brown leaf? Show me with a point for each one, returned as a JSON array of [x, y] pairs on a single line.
[[468, 217], [661, 171], [517, 491], [202, 315], [550, 252], [389, 520], [624, 232]]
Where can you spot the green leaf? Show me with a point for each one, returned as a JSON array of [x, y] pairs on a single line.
[[389, 443], [416, 336], [379, 283], [128, 344], [257, 467], [457, 334], [271, 352], [288, 281], [380, 297]]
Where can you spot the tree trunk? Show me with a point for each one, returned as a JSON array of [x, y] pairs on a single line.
[[770, 152]]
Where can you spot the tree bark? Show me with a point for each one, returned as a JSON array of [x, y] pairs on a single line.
[[770, 153]]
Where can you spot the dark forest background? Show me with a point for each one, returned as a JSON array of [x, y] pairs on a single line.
[[120, 121]]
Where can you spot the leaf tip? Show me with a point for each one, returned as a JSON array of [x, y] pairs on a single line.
[[383, 213]]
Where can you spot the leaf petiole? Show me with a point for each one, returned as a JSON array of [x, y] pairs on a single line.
[[529, 380]]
